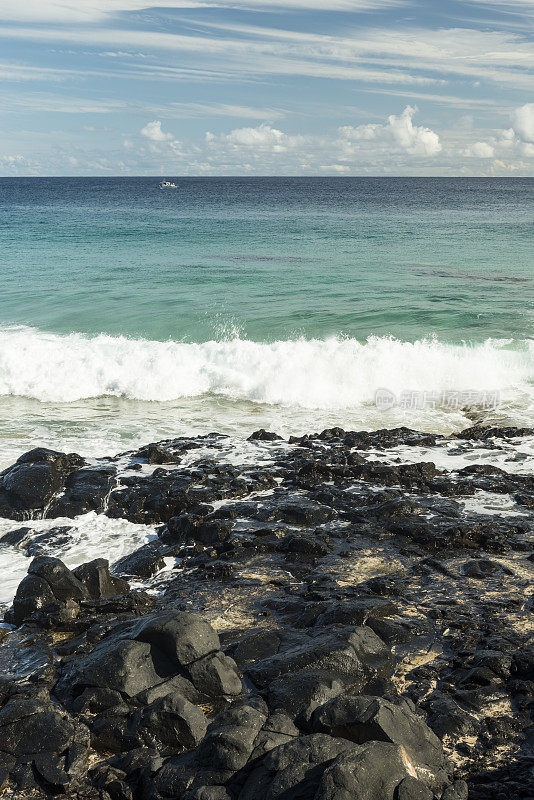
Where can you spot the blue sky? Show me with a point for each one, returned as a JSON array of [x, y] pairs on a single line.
[[305, 87]]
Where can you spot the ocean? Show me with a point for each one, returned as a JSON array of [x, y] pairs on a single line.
[[130, 314]]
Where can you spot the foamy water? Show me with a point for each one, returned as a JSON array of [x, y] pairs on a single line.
[[99, 395], [331, 373]]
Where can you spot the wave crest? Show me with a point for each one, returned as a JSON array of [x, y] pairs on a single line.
[[331, 373]]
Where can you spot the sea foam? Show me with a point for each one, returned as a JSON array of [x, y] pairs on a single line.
[[330, 373]]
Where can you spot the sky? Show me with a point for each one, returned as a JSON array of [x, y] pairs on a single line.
[[266, 87]]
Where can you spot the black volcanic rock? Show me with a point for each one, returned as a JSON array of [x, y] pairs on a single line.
[[30, 484], [336, 625]]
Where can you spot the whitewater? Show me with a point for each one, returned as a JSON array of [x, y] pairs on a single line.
[[103, 394], [330, 373]]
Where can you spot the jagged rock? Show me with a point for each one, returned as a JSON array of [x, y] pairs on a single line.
[[300, 694], [34, 732], [29, 485], [48, 583], [293, 769], [51, 587], [264, 436], [356, 612], [98, 582], [144, 562], [124, 666]]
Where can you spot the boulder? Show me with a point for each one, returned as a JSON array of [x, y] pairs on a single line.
[[144, 562], [29, 485], [98, 582], [299, 695], [367, 718], [34, 732], [183, 637], [293, 769], [125, 666], [264, 436], [48, 583], [350, 655], [372, 771], [170, 724], [215, 675]]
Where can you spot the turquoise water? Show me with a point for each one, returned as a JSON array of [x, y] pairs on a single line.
[[274, 258], [128, 311]]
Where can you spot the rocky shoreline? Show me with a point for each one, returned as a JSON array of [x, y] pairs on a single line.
[[332, 617]]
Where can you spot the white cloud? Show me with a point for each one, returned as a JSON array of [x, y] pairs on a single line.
[[480, 150], [97, 10], [153, 131], [225, 110], [340, 169], [514, 142], [523, 122], [262, 137], [400, 132]]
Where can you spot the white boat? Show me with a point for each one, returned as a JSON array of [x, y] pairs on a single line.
[[167, 185]]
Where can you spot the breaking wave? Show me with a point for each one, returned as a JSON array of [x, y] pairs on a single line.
[[331, 373]]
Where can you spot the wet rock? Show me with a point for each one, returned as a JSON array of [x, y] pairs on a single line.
[[144, 562], [49, 583], [293, 769], [412, 789], [124, 666], [447, 718], [51, 591], [85, 490], [356, 612], [369, 772], [156, 454], [485, 432], [33, 732], [29, 485], [484, 567], [299, 695], [255, 646], [353, 656], [96, 578], [206, 530], [305, 512], [304, 545], [264, 436]]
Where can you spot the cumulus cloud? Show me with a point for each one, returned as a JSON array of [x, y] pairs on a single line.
[[263, 137], [480, 150], [523, 122], [513, 144], [154, 132], [340, 169], [400, 132]]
